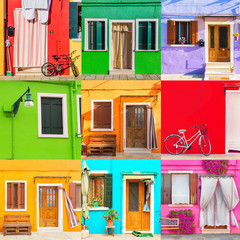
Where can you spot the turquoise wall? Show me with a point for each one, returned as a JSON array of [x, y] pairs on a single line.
[[21, 139], [98, 63], [115, 167]]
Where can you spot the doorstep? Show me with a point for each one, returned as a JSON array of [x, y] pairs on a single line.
[[121, 237]]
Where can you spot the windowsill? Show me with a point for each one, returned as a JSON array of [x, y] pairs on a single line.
[[76, 39], [98, 209], [183, 45], [15, 210], [95, 50], [102, 130], [147, 50], [78, 210], [52, 136], [180, 205], [210, 231]]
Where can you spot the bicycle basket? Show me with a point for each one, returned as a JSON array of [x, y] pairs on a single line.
[[204, 131]]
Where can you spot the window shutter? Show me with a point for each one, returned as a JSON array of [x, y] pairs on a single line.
[[171, 32], [166, 190], [9, 195], [21, 195], [102, 115], [100, 35], [72, 194], [108, 190], [193, 188], [151, 35], [194, 32], [73, 20], [142, 41]]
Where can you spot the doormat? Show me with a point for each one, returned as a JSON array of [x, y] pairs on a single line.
[[138, 234]]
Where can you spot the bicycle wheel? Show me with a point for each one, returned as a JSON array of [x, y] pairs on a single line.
[[74, 69], [205, 145], [48, 69], [174, 144]]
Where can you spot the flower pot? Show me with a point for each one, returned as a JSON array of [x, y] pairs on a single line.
[[182, 43], [110, 223], [236, 38], [231, 70]]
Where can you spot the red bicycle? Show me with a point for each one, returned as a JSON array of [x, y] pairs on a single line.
[[48, 69]]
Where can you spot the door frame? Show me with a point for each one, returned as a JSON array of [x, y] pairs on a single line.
[[60, 206], [124, 124], [111, 46], [231, 24], [124, 206]]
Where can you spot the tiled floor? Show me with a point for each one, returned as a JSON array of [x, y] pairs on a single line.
[[202, 237], [121, 237], [123, 77]]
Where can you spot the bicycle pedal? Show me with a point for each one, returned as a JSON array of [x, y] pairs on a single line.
[[189, 147]]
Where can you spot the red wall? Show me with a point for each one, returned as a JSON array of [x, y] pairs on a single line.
[[189, 103], [58, 41]]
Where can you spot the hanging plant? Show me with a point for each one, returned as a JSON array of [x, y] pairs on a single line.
[[186, 220], [216, 167], [236, 36]]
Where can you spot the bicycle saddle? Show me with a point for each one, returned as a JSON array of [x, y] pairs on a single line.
[[182, 130]]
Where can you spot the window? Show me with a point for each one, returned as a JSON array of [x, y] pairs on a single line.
[[75, 20], [179, 188], [52, 115], [75, 195], [177, 30], [102, 115], [96, 34], [15, 196], [147, 38]]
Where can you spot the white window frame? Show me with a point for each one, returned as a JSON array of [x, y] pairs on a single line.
[[86, 33], [156, 20], [25, 196], [80, 38], [78, 116], [64, 115], [92, 117], [77, 182]]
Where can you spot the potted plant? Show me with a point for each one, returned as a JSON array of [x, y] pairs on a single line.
[[182, 40], [236, 36], [232, 69], [110, 216], [96, 202]]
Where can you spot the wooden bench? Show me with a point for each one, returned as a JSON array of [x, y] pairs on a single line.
[[17, 225], [169, 223], [102, 145]]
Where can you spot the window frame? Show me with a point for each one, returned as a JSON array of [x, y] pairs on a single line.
[[78, 183], [86, 20], [92, 117], [79, 114], [25, 197], [156, 20], [64, 115]]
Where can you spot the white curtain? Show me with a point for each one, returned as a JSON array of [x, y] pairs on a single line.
[[152, 134], [180, 189]]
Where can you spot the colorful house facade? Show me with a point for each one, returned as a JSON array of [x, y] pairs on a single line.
[[2, 26], [206, 31], [129, 109], [122, 185], [50, 129], [37, 188], [121, 37], [188, 185], [214, 103]]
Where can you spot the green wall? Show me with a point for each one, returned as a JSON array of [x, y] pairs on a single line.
[[98, 62], [25, 141]]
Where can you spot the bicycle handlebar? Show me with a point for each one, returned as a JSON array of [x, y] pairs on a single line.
[[199, 126]]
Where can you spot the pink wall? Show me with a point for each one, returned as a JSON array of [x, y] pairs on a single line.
[[196, 167]]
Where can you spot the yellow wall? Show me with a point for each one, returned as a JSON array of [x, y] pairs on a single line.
[[1, 37], [120, 91], [26, 170], [76, 46]]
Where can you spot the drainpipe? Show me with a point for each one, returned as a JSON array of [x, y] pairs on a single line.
[[73, 88], [12, 137]]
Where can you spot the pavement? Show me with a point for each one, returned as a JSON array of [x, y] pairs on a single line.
[[121, 237], [201, 237], [122, 77]]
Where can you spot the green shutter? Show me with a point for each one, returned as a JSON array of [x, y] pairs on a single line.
[[108, 190], [151, 35], [100, 35], [73, 20], [142, 41]]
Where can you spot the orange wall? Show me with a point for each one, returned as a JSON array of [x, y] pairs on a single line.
[[120, 91]]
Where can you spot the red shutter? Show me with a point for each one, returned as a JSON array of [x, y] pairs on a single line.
[[102, 115], [80, 195], [9, 195], [194, 32], [21, 195], [171, 36], [72, 194], [193, 178], [166, 190]]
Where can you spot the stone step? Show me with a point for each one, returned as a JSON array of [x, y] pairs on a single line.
[[29, 71], [121, 72], [219, 64], [220, 75], [217, 70]]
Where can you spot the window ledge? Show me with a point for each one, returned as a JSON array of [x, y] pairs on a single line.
[[78, 210], [101, 130], [147, 50], [95, 50], [76, 39], [15, 210], [183, 45], [52, 136], [210, 231], [180, 205], [98, 209]]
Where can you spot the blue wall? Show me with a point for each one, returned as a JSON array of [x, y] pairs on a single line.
[[96, 224]]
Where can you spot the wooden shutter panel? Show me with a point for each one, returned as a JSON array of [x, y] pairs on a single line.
[[166, 190], [9, 195], [72, 194], [193, 179], [194, 32], [171, 36], [108, 190], [151, 35], [142, 40], [21, 195], [73, 20], [102, 115], [100, 35]]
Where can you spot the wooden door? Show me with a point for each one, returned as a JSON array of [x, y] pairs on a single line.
[[219, 43], [48, 207], [136, 127], [136, 219]]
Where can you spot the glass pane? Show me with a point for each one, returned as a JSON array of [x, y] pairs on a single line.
[[96, 191], [128, 113], [223, 37], [133, 197], [212, 37]]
